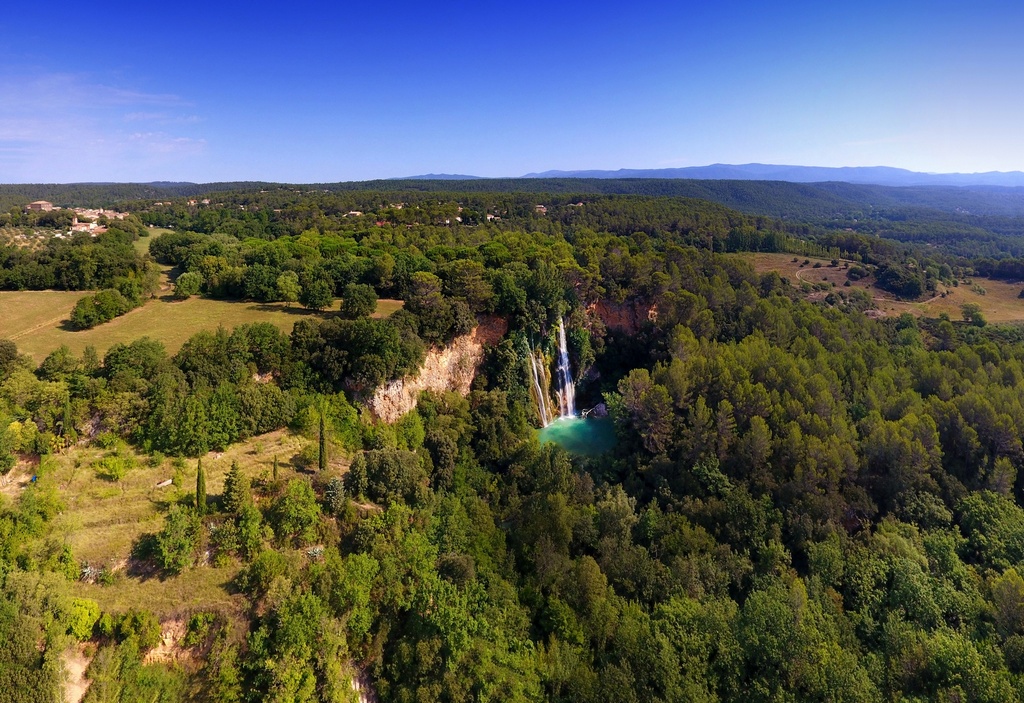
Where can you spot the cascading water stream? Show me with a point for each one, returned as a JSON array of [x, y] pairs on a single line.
[[567, 391], [590, 435], [538, 388]]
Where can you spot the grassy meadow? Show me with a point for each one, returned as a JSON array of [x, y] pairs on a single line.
[[37, 320], [999, 302], [102, 519]]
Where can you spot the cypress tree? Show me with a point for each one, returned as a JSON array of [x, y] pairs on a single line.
[[200, 488], [322, 454], [275, 467]]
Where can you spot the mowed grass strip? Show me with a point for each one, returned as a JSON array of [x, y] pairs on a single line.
[[36, 320], [25, 312]]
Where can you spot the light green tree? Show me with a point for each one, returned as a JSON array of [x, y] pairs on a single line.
[[288, 288]]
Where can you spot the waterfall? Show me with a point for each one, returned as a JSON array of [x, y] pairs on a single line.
[[567, 391], [538, 387], [541, 381]]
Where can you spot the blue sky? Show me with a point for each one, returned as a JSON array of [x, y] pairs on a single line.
[[317, 92]]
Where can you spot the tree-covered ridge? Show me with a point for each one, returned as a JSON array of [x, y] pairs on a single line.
[[805, 503], [891, 228], [772, 197]]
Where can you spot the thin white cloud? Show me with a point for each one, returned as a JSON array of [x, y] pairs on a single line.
[[65, 127], [161, 143], [144, 116], [162, 118]]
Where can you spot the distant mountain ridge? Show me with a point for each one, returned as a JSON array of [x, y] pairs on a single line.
[[873, 175], [438, 177]]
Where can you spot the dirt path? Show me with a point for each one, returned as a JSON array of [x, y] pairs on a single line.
[[14, 482], [75, 663], [41, 325]]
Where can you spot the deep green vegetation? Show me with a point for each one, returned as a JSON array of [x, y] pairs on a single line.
[[804, 503], [109, 303], [79, 262]]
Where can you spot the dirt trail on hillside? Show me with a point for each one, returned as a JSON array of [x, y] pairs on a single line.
[[75, 663]]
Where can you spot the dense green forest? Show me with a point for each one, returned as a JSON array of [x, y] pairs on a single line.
[[804, 503], [967, 225], [775, 198]]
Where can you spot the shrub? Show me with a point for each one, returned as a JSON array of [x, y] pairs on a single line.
[[115, 467], [102, 307], [334, 496], [143, 626], [198, 629], [176, 544], [255, 580], [84, 615], [188, 284], [855, 273], [295, 513]]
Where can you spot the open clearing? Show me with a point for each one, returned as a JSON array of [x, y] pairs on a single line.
[[35, 320], [102, 519], [41, 328], [142, 243], [999, 303]]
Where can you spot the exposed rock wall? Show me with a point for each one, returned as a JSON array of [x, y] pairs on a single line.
[[451, 368], [629, 316]]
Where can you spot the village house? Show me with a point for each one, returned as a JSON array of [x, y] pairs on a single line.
[[91, 227], [40, 206], [94, 213]]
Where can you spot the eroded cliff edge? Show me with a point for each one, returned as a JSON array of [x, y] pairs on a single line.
[[450, 368]]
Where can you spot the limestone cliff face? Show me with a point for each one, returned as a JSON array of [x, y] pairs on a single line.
[[451, 368], [629, 316]]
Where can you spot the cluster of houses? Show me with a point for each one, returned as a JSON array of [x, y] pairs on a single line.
[[92, 215], [192, 203]]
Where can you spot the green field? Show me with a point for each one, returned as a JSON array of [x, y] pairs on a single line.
[[36, 320], [142, 243]]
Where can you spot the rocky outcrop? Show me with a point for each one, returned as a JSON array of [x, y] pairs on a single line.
[[451, 368], [629, 316]]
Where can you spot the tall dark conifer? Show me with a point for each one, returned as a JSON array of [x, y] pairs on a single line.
[[200, 488], [322, 454]]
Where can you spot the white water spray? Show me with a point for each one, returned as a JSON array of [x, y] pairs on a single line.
[[538, 388], [567, 391]]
